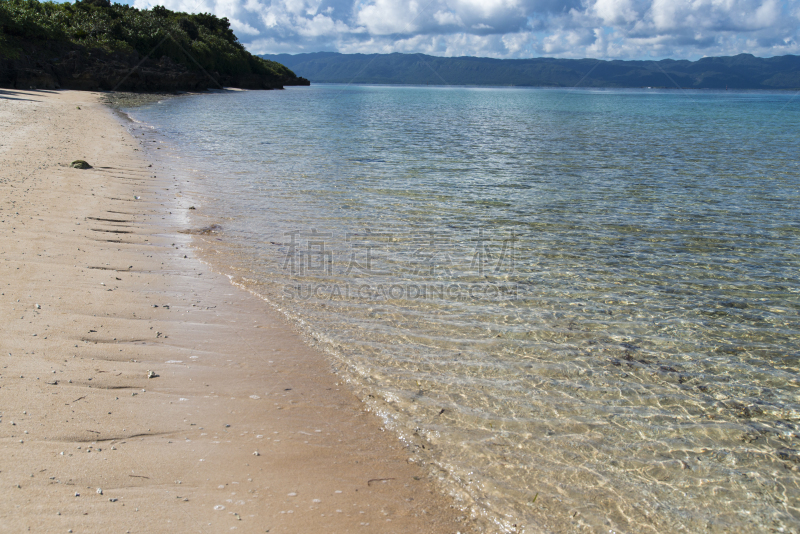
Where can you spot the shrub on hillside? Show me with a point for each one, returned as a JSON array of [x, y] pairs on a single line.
[[196, 41]]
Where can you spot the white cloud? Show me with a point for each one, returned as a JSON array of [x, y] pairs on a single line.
[[511, 28], [767, 14], [389, 17], [516, 43], [486, 8], [321, 25], [615, 11], [447, 18], [240, 27]]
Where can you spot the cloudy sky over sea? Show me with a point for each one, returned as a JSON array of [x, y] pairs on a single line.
[[624, 29]]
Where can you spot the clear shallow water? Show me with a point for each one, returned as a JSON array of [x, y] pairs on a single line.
[[581, 307]]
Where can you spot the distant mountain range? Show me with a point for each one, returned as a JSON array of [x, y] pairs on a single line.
[[744, 71]]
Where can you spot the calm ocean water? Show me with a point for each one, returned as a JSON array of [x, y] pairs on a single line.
[[578, 307]]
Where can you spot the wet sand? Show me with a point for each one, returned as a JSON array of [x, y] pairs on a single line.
[[244, 427]]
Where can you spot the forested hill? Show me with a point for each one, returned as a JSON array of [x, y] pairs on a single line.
[[735, 72], [93, 44]]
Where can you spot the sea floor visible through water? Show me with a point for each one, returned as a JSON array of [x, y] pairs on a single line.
[[578, 307]]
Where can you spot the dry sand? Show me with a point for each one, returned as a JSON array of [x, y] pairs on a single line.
[[244, 428]]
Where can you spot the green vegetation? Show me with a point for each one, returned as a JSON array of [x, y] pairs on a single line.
[[195, 41]]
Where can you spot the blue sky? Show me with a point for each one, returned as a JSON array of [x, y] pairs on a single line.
[[621, 29]]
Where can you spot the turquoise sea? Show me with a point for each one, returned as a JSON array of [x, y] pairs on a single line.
[[579, 308]]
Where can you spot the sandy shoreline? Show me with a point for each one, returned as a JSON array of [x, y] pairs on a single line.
[[244, 428]]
